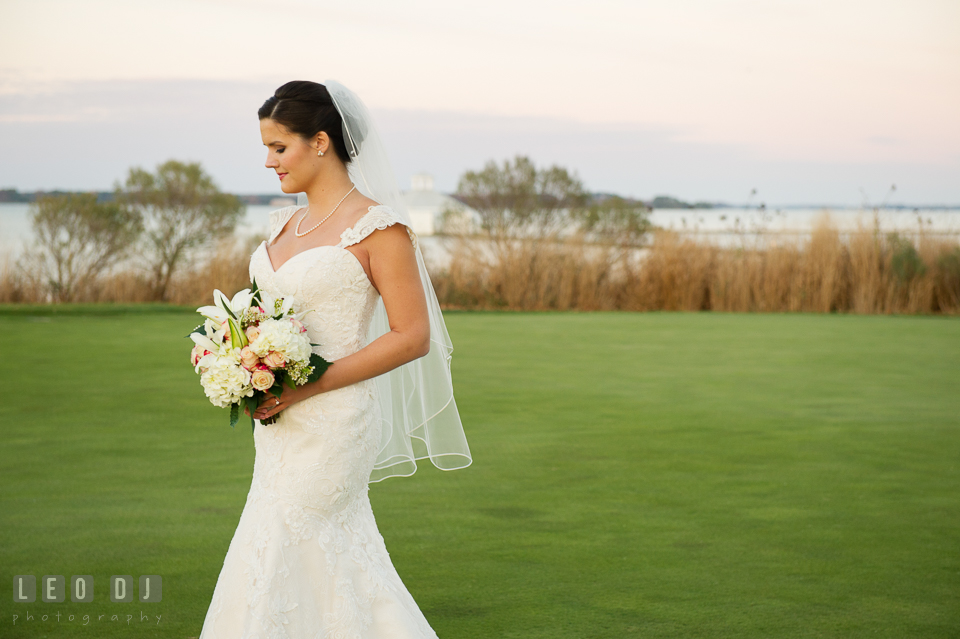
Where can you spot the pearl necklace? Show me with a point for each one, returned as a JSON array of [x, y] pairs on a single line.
[[307, 212]]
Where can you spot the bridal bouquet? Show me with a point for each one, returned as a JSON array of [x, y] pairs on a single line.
[[249, 345]]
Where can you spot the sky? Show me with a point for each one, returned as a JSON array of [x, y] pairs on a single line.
[[808, 101]]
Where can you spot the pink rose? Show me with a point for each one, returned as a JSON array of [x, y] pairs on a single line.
[[197, 352], [262, 379], [248, 358], [274, 359], [252, 332], [225, 327], [296, 323]]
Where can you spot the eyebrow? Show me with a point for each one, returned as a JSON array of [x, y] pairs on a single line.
[[274, 143]]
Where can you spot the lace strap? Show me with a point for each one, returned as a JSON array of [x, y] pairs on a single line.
[[278, 219], [377, 218]]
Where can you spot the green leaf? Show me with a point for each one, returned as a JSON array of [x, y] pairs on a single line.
[[320, 366], [200, 329], [252, 403], [234, 414]]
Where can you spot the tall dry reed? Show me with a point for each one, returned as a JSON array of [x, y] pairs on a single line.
[[227, 269], [862, 271]]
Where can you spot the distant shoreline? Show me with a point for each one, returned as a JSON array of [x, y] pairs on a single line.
[[13, 196]]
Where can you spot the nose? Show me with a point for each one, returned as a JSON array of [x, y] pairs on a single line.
[[271, 161]]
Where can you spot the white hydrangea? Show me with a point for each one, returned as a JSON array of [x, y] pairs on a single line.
[[283, 337], [225, 381]]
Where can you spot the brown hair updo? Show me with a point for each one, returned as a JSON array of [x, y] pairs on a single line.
[[306, 108]]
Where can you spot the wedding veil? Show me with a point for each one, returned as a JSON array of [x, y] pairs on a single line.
[[419, 414]]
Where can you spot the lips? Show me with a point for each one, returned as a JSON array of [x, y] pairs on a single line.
[[282, 175]]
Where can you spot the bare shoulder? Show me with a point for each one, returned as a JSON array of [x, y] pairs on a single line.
[[364, 203], [356, 209]]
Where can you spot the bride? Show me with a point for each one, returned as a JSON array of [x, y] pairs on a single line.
[[307, 559]]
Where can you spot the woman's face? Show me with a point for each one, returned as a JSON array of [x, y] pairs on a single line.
[[294, 160]]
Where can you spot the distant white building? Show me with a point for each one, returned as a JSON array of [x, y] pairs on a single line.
[[426, 205]]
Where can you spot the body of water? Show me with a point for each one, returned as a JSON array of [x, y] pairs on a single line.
[[723, 226], [16, 232]]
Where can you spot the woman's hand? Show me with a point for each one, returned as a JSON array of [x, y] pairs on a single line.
[[271, 404]]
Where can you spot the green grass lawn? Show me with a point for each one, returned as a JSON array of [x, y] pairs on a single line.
[[634, 475]]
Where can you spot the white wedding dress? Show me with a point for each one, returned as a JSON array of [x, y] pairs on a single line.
[[307, 560]]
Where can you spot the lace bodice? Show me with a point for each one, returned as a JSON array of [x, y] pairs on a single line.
[[327, 279]]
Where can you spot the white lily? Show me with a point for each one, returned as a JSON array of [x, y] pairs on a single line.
[[224, 302], [215, 313], [267, 301], [206, 342], [215, 330], [241, 300], [226, 307]]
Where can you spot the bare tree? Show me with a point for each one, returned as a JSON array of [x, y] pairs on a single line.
[[183, 211], [75, 239]]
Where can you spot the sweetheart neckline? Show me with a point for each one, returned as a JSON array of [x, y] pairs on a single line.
[[337, 245], [356, 260]]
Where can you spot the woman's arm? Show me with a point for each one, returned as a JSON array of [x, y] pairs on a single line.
[[396, 275], [394, 271]]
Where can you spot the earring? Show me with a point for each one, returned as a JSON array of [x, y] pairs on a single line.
[[319, 152]]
